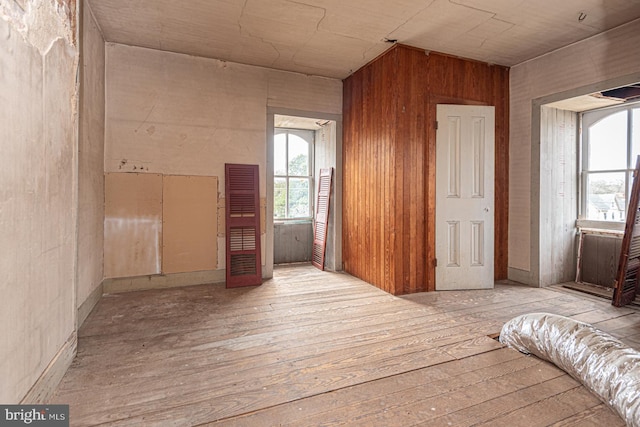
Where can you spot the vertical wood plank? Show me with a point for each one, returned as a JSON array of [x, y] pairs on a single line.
[[347, 127], [390, 74], [430, 235], [501, 102]]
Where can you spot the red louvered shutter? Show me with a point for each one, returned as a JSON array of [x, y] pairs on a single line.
[[242, 207], [626, 285], [322, 218]]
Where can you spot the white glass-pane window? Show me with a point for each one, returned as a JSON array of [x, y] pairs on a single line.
[[293, 156], [608, 143], [611, 143]]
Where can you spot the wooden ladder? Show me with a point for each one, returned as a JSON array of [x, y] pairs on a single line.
[[626, 284]]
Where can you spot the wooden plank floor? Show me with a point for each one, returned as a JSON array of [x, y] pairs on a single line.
[[311, 348]]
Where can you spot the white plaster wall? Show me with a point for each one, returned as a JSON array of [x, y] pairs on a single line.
[[177, 114], [91, 160], [608, 56], [38, 139]]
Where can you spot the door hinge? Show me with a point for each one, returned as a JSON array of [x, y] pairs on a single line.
[[435, 262], [436, 125]]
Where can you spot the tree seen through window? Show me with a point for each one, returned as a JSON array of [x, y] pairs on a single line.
[[292, 174]]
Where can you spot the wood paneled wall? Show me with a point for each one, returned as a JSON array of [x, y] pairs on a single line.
[[389, 139]]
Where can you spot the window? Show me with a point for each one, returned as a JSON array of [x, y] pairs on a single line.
[[610, 145], [292, 175]]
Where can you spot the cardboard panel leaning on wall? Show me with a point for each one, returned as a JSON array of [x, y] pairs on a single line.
[[189, 235], [132, 224]]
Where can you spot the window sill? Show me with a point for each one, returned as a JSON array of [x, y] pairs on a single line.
[[292, 221], [612, 227]]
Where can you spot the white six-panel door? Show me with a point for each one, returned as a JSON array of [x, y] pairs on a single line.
[[464, 197]]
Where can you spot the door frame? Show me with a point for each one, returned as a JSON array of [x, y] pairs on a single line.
[[336, 198]]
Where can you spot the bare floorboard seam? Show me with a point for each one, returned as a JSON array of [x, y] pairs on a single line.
[[330, 391], [496, 399]]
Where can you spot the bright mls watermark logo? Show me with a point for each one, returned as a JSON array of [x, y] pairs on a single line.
[[34, 415]]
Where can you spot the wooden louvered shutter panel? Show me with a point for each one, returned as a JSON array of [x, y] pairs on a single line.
[[322, 218], [626, 285], [242, 207]]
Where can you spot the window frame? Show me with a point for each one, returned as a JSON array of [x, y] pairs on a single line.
[[309, 177], [592, 118]]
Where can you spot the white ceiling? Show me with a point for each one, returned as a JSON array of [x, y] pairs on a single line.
[[294, 122], [336, 37], [584, 103]]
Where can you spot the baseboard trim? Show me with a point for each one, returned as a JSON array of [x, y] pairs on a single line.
[[88, 305], [47, 383], [521, 276], [162, 281]]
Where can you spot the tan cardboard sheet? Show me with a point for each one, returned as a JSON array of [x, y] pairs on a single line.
[[132, 224], [189, 223]]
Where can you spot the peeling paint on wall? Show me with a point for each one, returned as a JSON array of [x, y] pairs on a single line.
[[32, 19]]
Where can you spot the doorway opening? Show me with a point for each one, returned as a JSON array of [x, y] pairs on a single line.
[[299, 146]]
